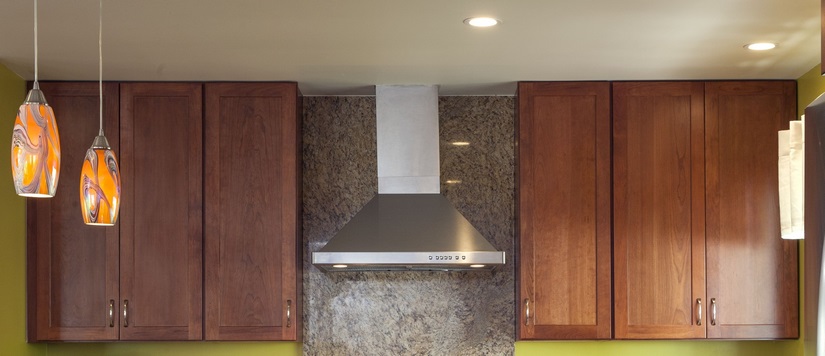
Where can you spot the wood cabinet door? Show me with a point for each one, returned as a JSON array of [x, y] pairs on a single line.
[[658, 165], [252, 211], [72, 267], [564, 210], [161, 218], [752, 274]]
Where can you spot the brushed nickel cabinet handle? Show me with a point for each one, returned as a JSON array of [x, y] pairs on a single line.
[[526, 311], [126, 313], [111, 313], [288, 313], [712, 311], [698, 311]]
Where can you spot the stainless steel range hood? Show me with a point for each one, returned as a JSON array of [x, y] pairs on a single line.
[[409, 225]]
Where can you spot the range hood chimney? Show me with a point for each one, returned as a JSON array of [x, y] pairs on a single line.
[[409, 225]]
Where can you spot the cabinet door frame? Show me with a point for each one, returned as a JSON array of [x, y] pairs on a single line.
[[784, 256], [193, 298], [216, 204], [695, 273], [41, 238], [527, 259]]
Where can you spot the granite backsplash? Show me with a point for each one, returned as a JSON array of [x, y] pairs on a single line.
[[408, 313]]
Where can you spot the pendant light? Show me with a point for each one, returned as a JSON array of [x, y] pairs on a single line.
[[35, 144], [100, 175]]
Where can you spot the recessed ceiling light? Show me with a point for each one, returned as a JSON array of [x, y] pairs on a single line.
[[477, 266], [339, 266], [453, 181], [760, 46], [460, 143], [481, 21]]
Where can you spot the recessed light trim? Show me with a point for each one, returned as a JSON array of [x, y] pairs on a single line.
[[482, 21], [760, 46]]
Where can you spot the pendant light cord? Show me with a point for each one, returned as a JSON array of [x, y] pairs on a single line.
[[100, 58], [35, 42]]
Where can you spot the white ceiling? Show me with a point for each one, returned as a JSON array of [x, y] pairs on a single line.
[[337, 47]]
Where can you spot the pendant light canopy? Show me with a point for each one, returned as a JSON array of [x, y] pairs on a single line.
[[35, 143], [100, 175]]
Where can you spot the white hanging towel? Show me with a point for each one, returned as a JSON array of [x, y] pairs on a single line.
[[792, 180], [785, 220], [797, 158]]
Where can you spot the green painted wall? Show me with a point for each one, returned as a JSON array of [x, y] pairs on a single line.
[[12, 231], [178, 349], [660, 348], [809, 86]]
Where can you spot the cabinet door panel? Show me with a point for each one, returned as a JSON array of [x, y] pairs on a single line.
[[161, 222], [252, 201], [658, 206], [752, 272], [73, 272], [564, 210]]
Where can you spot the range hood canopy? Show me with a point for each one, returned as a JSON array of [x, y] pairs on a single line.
[[408, 232], [408, 225]]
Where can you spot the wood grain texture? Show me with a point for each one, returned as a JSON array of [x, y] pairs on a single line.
[[751, 272], [72, 268], [564, 210], [658, 204], [252, 211], [161, 221]]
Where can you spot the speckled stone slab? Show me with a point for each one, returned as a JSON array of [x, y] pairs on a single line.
[[408, 313]]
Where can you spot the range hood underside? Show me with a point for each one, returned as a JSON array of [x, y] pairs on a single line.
[[408, 261], [406, 232]]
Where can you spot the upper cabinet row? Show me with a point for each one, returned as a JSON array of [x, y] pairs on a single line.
[[207, 245], [687, 174]]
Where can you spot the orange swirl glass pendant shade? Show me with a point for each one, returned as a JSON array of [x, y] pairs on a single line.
[[100, 174], [100, 185], [35, 148], [35, 144]]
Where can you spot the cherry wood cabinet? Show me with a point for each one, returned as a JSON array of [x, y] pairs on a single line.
[[73, 268], [752, 274], [659, 240], [253, 260], [161, 232], [143, 279], [140, 279], [696, 234], [564, 256]]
